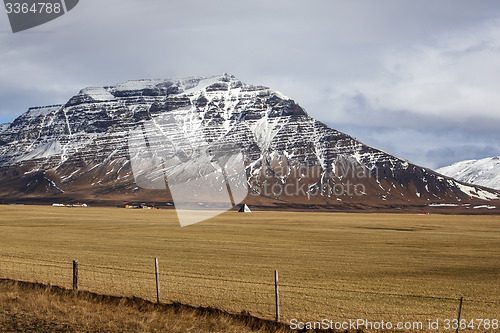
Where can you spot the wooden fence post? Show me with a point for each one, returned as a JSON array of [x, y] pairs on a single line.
[[157, 273], [75, 274], [277, 294], [459, 313]]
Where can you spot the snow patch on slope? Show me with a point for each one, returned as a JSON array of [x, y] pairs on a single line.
[[3, 127], [98, 94], [201, 85], [44, 150], [138, 85], [484, 206], [265, 130], [53, 184], [41, 111], [477, 193]]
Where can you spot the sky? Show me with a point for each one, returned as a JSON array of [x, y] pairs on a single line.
[[417, 79]]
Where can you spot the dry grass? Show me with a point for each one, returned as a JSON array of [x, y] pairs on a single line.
[[331, 265], [35, 308]]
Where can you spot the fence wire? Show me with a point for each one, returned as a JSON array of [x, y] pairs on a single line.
[[237, 295]]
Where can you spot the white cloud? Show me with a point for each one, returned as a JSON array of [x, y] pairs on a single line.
[[456, 77]]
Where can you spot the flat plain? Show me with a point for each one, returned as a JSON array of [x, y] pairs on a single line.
[[340, 266]]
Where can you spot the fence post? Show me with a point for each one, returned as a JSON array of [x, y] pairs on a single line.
[[277, 294], [75, 274], [157, 273], [460, 313]]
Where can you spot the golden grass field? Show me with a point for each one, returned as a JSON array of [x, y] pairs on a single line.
[[331, 265]]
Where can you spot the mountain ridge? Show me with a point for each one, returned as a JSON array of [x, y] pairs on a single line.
[[78, 150]]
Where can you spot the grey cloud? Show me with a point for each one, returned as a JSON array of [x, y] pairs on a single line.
[[445, 156], [360, 112], [426, 146]]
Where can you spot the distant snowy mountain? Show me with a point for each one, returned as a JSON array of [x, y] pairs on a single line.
[[484, 172], [79, 151]]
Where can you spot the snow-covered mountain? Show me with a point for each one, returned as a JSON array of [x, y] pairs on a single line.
[[79, 150], [484, 172]]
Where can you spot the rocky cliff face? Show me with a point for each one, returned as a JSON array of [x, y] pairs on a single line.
[[80, 150]]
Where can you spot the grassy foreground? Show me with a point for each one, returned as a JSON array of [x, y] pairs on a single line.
[[331, 265], [35, 308]]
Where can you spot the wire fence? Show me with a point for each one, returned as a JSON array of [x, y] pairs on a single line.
[[299, 302]]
